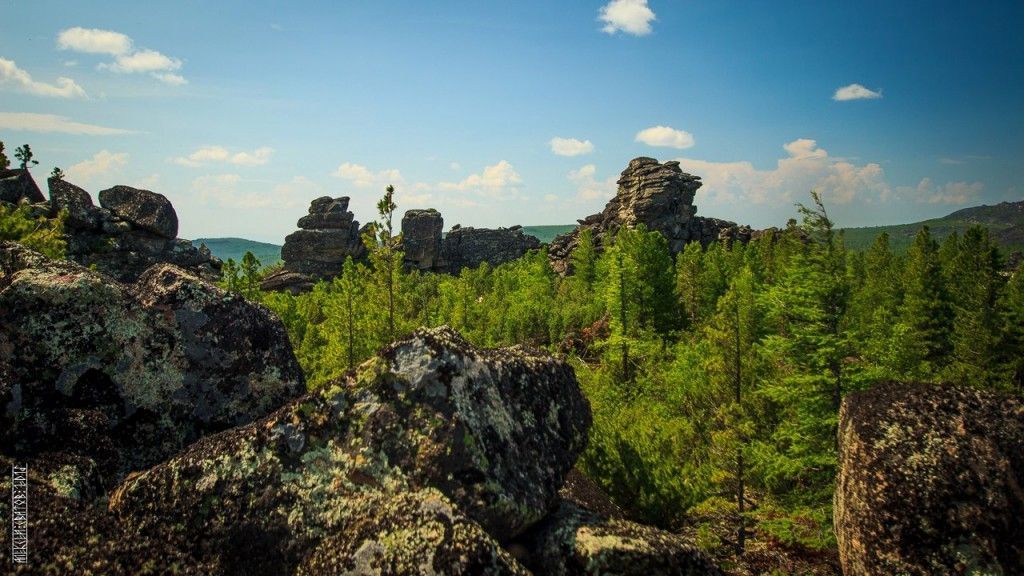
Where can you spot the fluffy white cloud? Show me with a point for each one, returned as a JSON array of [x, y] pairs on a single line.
[[127, 59], [590, 188], [11, 75], [629, 16], [496, 181], [956, 193], [94, 41], [103, 163], [52, 123], [210, 154], [855, 92], [571, 146], [806, 168], [665, 136], [362, 177]]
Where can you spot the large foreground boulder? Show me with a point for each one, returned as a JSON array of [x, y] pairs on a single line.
[[491, 433], [130, 373], [931, 481]]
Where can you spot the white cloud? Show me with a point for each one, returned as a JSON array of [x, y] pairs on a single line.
[[629, 16], [957, 193], [222, 190], [94, 41], [211, 154], [550, 198], [455, 166], [855, 92], [496, 181], [52, 123], [10, 74], [127, 59], [103, 163], [362, 177], [806, 168], [588, 187], [665, 136], [571, 146], [172, 79]]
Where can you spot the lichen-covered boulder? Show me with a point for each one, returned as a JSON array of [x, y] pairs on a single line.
[[145, 209], [69, 533], [419, 532], [575, 541], [930, 482], [494, 431], [150, 366]]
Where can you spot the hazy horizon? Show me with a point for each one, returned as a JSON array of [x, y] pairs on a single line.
[[524, 113]]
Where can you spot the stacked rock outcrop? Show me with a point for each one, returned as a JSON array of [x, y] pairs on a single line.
[[326, 237], [659, 196], [128, 232], [421, 239], [931, 481]]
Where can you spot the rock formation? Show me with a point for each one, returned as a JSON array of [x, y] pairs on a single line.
[[130, 373], [16, 185], [470, 247], [931, 481], [327, 236], [421, 239], [659, 196], [130, 231]]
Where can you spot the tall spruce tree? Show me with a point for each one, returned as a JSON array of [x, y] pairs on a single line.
[[925, 314], [975, 284]]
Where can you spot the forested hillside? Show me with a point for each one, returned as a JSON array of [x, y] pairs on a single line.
[[715, 378], [1005, 223]]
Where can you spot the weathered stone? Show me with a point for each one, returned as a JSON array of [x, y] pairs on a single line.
[[659, 196], [17, 184], [76, 201], [327, 236], [495, 431], [421, 239], [575, 541], [142, 208], [470, 247], [930, 481], [71, 534], [154, 365]]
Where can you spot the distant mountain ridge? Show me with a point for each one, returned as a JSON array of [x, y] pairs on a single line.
[[1005, 222], [235, 248]]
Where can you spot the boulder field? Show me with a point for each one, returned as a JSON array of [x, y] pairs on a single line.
[[166, 429]]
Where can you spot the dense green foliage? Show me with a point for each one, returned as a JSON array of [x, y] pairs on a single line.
[[715, 378], [45, 235]]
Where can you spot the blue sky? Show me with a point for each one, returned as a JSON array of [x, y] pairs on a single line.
[[501, 113]]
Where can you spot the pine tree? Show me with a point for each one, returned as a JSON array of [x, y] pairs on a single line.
[[250, 281], [733, 333], [383, 255], [1011, 342], [689, 273], [926, 314], [24, 155], [975, 284], [584, 259]]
